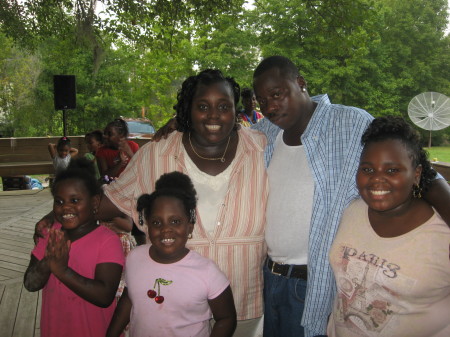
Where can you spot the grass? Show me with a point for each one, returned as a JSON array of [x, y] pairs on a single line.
[[439, 153]]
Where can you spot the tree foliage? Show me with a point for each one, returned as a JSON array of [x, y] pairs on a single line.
[[130, 56]]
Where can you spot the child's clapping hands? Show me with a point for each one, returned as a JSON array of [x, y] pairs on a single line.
[[57, 252]]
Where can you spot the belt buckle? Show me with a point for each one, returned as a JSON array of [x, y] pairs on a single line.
[[272, 271]]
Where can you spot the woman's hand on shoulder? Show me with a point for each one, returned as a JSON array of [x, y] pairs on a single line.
[[41, 227]]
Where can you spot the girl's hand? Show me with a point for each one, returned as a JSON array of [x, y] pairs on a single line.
[[123, 158], [125, 147], [57, 252]]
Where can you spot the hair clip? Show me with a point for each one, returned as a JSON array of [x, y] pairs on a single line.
[[192, 216]]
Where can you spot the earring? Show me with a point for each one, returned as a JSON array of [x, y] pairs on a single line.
[[303, 89], [190, 236], [95, 211], [141, 220], [416, 191]]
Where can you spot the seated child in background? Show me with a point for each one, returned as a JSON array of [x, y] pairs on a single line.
[[114, 155], [78, 263], [61, 154], [171, 291], [248, 115], [390, 256], [94, 141]]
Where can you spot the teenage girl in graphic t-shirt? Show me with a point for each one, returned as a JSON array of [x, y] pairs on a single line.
[[390, 256]]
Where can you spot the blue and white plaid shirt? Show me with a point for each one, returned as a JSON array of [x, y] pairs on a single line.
[[333, 146]]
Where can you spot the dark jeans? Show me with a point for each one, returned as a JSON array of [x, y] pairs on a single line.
[[284, 301]]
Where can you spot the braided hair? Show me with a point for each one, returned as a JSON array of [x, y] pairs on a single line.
[[188, 88], [120, 125]]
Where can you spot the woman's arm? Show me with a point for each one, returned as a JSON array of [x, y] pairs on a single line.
[[100, 290], [42, 225], [37, 274], [120, 225], [438, 196], [125, 147], [224, 313], [108, 211], [121, 316]]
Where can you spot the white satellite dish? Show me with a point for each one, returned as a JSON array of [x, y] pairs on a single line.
[[430, 111]]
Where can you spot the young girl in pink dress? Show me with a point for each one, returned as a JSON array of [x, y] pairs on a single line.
[[78, 263], [171, 290]]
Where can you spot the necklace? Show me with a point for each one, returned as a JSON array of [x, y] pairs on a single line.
[[222, 159]]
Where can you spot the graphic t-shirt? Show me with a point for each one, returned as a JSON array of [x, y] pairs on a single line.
[[392, 287], [185, 286]]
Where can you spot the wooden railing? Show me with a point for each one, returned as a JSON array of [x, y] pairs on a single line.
[[27, 156]]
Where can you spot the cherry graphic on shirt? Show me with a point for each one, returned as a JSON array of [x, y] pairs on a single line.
[[152, 292]]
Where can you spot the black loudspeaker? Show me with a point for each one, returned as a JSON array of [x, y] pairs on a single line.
[[64, 91]]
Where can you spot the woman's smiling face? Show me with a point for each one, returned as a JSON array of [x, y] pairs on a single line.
[[213, 113], [386, 176]]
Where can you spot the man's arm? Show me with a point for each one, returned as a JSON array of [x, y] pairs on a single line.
[[438, 195]]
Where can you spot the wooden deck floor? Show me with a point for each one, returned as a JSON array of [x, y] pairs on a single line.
[[19, 309]]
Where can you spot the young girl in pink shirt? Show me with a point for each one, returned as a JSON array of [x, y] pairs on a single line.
[[78, 263], [171, 290]]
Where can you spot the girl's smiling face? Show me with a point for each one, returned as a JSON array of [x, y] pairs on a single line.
[[112, 137], [73, 205], [168, 229], [63, 151], [386, 176]]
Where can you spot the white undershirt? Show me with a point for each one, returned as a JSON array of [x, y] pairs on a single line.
[[289, 206], [211, 191]]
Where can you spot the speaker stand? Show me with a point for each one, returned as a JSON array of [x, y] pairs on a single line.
[[64, 122]]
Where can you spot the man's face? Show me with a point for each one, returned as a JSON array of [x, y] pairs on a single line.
[[280, 98]]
